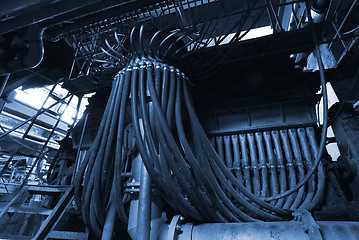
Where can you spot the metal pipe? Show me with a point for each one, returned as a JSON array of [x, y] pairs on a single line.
[[275, 16], [344, 20], [3, 85], [272, 230], [144, 206], [77, 160], [107, 231], [255, 230]]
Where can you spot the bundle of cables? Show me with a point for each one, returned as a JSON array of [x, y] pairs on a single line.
[[155, 99], [183, 165]]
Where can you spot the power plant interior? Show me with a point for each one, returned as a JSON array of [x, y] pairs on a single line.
[[179, 119]]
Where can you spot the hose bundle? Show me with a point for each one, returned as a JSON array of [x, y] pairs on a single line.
[[184, 166], [98, 181], [270, 162], [176, 151]]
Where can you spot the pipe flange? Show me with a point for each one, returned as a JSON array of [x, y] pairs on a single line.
[[175, 227]]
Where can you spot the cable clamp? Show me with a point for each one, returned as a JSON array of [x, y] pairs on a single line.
[[262, 166], [235, 168]]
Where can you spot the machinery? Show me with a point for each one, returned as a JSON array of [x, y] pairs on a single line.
[[210, 119]]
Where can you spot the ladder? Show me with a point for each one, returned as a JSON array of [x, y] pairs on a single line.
[[17, 205]]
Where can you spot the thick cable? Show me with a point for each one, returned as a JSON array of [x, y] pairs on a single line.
[[318, 157]]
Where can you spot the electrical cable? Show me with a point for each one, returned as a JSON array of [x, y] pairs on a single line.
[[152, 98], [317, 53]]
